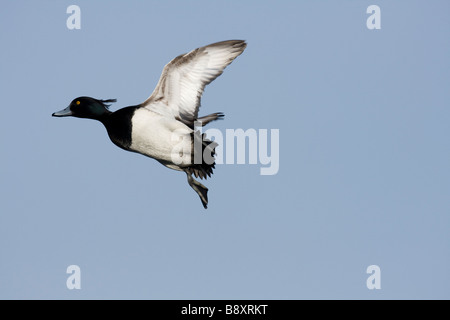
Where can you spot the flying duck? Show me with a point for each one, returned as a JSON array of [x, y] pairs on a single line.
[[163, 127]]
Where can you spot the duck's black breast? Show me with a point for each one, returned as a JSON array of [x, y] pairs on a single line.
[[119, 126]]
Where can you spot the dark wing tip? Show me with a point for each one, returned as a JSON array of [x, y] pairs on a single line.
[[238, 44]]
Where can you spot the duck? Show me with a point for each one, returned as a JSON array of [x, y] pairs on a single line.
[[165, 127]]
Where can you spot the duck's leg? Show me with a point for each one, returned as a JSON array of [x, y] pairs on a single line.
[[201, 190]]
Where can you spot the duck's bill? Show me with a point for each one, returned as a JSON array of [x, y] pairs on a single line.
[[63, 113]]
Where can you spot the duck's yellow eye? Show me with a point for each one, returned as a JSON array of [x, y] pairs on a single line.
[[78, 102]]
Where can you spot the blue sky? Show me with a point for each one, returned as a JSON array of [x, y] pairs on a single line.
[[364, 175]]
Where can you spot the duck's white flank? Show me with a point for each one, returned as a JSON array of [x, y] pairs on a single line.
[[160, 137]]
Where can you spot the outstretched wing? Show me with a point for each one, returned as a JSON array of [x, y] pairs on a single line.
[[183, 79]]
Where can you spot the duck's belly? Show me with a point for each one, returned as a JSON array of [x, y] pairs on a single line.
[[163, 139]]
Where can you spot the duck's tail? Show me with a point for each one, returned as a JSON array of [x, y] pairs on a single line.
[[202, 156]]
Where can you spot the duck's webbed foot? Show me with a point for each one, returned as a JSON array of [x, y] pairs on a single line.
[[201, 190]]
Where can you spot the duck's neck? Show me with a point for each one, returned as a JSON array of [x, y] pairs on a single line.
[[118, 124], [103, 117]]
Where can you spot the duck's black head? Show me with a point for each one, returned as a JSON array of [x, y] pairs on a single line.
[[86, 107]]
